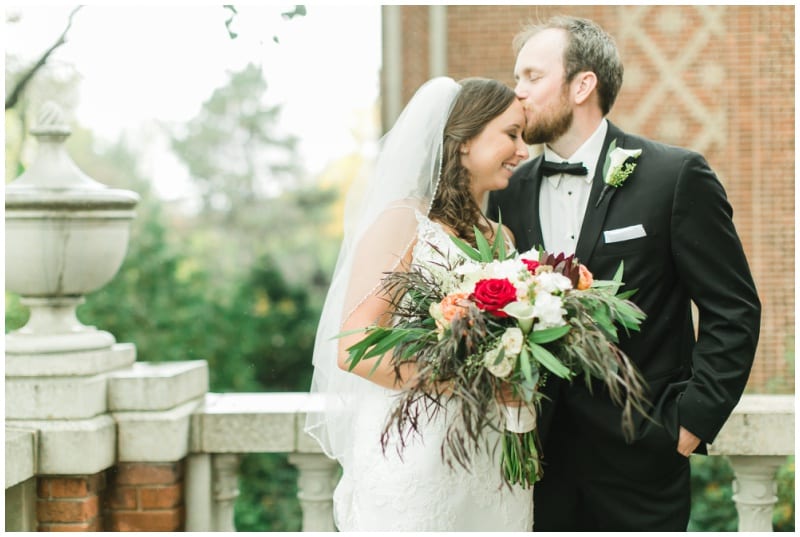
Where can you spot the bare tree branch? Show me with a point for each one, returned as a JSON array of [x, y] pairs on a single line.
[[19, 87]]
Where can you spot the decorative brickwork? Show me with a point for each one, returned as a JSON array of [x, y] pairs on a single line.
[[145, 497], [716, 79]]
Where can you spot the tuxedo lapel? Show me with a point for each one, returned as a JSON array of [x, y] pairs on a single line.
[[595, 215]]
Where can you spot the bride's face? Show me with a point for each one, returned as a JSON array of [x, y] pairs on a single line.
[[491, 156]]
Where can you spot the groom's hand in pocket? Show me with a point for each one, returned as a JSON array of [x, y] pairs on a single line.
[[687, 442]]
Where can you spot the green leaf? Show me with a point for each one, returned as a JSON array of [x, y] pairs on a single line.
[[546, 358], [483, 246], [525, 365], [499, 245], [548, 334], [471, 252]]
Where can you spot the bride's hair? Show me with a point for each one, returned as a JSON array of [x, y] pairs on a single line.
[[479, 101]]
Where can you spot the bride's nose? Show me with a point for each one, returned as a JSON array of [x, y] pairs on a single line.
[[522, 149]]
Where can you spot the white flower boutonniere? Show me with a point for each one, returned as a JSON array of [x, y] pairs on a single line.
[[619, 164]]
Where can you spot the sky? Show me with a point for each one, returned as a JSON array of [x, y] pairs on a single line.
[[152, 63]]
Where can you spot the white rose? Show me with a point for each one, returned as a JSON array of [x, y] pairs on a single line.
[[549, 311], [512, 341], [551, 282], [501, 369]]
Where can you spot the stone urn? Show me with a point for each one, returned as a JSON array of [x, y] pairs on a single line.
[[66, 235]]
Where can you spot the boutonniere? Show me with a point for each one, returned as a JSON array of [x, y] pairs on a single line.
[[619, 164]]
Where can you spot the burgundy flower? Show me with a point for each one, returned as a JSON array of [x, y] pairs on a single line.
[[531, 264]]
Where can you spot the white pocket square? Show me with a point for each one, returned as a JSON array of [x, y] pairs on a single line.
[[624, 233]]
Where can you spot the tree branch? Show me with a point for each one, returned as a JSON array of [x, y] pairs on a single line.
[[19, 87]]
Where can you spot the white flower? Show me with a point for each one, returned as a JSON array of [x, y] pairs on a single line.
[[549, 311], [551, 282], [523, 312], [511, 269], [501, 369], [512, 341], [615, 169]]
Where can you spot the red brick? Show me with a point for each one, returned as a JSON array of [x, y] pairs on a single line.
[[138, 473], [163, 520], [160, 497], [122, 498], [67, 510], [43, 487], [69, 487]]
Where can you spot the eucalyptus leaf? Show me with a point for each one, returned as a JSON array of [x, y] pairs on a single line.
[[546, 358], [547, 335]]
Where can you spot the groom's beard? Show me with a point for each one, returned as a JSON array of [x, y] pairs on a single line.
[[547, 129]]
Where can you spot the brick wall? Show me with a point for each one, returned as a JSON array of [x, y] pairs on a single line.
[[145, 497], [716, 79], [128, 497], [69, 503]]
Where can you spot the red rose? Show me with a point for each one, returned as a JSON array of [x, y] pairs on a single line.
[[531, 264], [494, 294]]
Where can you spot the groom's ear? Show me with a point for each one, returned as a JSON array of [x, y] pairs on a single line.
[[583, 86]]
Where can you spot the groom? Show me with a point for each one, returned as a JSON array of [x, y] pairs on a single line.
[[666, 216]]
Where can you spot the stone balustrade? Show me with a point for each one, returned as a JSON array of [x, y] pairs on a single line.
[[221, 427]]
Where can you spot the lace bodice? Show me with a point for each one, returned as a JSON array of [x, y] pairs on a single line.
[[430, 234]]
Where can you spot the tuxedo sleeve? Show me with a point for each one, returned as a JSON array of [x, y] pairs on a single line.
[[712, 265]]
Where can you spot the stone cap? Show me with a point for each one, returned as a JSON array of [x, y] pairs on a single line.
[[20, 455], [759, 425], [148, 386]]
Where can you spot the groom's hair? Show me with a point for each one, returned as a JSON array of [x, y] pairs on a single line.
[[589, 48]]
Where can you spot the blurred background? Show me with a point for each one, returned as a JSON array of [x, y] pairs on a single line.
[[241, 128]]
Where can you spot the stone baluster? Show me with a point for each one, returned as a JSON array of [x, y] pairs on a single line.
[[315, 483], [755, 490], [225, 468]]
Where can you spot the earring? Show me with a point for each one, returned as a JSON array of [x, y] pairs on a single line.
[[465, 151]]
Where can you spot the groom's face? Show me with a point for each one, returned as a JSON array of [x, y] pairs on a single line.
[[541, 88]]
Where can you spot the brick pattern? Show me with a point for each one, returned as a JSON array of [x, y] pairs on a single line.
[[145, 497], [716, 79], [69, 503]]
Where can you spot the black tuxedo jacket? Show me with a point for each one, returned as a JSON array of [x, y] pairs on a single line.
[[691, 253]]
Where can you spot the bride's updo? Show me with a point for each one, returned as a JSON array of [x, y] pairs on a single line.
[[479, 101]]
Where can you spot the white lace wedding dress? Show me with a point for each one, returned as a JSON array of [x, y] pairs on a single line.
[[417, 491]]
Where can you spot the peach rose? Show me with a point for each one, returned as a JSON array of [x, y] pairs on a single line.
[[585, 278], [453, 305]]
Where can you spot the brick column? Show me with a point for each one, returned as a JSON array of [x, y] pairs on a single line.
[[69, 503], [145, 497]]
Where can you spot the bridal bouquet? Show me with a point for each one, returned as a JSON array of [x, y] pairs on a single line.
[[489, 329]]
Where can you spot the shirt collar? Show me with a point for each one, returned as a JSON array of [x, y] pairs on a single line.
[[588, 153]]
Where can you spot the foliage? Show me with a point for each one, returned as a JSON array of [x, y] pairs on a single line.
[[234, 152], [713, 508]]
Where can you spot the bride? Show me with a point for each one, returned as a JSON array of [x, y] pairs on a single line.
[[453, 143]]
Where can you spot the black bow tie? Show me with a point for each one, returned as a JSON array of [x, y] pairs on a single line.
[[553, 168]]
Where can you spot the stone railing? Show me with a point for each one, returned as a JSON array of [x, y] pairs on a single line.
[[756, 439]]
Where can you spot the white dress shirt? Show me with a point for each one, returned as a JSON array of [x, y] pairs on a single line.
[[563, 197]]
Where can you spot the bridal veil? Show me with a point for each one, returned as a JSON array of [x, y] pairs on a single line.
[[379, 228]]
